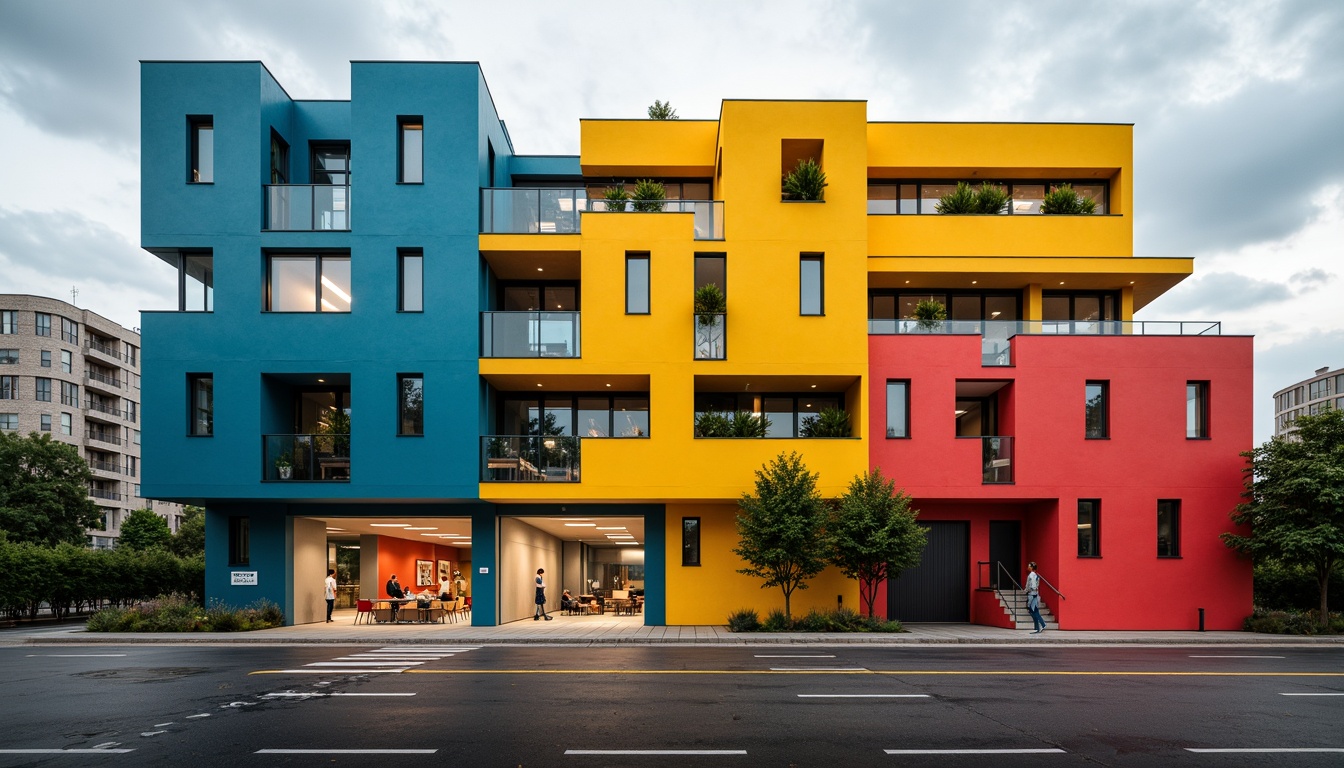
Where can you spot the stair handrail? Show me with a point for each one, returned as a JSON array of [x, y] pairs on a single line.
[[1012, 607], [1052, 587]]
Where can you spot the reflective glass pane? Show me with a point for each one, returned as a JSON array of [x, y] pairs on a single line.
[[594, 417], [630, 417], [293, 284], [559, 417], [412, 283], [637, 285], [335, 284], [930, 194], [412, 153], [882, 198], [198, 276], [711, 269], [780, 412], [883, 308], [203, 165], [1095, 192], [1027, 198], [1055, 308], [965, 308], [909, 199], [810, 285], [1000, 308]]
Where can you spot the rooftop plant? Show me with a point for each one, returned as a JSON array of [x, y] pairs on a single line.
[[662, 110], [930, 313]]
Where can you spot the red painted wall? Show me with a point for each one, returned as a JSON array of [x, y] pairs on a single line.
[[1147, 457], [399, 555]]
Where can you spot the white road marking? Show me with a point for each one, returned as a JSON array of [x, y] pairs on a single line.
[[800, 656], [818, 669], [863, 695], [291, 694], [65, 751], [339, 671], [974, 751], [364, 664], [77, 655], [345, 751], [385, 660], [152, 733], [459, 648], [1236, 657], [193, 717], [655, 751], [163, 725], [107, 745], [1311, 694], [1269, 749]]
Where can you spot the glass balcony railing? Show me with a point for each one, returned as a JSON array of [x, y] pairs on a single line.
[[996, 460], [529, 334], [307, 207], [305, 458], [711, 336], [530, 458], [518, 211]]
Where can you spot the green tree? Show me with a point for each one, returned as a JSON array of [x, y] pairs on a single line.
[[662, 110], [44, 491], [1295, 501], [874, 534], [142, 529], [189, 540], [782, 527]]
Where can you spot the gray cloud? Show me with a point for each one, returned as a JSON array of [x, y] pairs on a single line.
[[1281, 365], [1311, 279], [1216, 294], [66, 246]]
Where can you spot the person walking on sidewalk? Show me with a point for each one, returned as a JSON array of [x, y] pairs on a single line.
[[330, 593], [541, 597], [1034, 599]]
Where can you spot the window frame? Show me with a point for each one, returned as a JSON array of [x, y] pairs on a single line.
[[9, 387], [690, 552], [240, 540], [9, 322], [804, 260], [405, 124], [196, 124], [40, 328], [1200, 415], [1104, 203], [1104, 428], [1173, 509], [184, 280], [1094, 526], [631, 257], [194, 381], [404, 256], [318, 258], [905, 383], [42, 389], [402, 378]]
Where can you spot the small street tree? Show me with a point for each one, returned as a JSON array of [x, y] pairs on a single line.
[[142, 530], [782, 527], [874, 534], [1295, 500], [44, 491], [189, 540]]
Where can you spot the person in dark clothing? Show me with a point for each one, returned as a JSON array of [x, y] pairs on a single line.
[[541, 597], [394, 590]]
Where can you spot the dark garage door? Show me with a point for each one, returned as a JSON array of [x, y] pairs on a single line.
[[939, 588]]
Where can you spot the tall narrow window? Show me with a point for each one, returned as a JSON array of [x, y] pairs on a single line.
[[46, 422], [279, 159], [690, 541], [637, 283], [1089, 528], [411, 404], [9, 387], [67, 362], [411, 295], [1096, 410], [46, 358], [811, 285], [67, 424], [240, 545], [43, 389], [411, 132], [1168, 528], [898, 409], [202, 170], [43, 323], [9, 321], [196, 282], [201, 389], [69, 330], [1196, 409]]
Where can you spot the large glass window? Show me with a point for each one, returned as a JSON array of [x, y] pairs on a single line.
[[411, 149], [43, 323], [9, 387], [811, 284], [637, 283], [69, 394], [1096, 410], [411, 268], [1089, 528], [411, 404], [9, 321], [9, 422], [1196, 409], [898, 409], [907, 197], [309, 283], [1168, 528], [196, 282], [583, 415], [201, 389], [69, 330], [67, 362], [67, 424], [690, 541], [43, 389], [202, 168]]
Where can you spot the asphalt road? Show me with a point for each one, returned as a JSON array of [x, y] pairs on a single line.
[[670, 706]]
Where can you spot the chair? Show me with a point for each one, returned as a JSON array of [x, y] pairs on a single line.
[[464, 605], [435, 612], [382, 612], [364, 608]]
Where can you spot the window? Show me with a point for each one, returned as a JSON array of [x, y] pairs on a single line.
[[907, 197], [202, 129], [624, 415], [132, 354], [411, 404], [811, 285], [196, 282], [411, 150], [9, 387], [69, 330], [1089, 528], [1096, 410], [1168, 528], [43, 323], [67, 424], [135, 437], [46, 358], [201, 391], [9, 422], [898, 409], [690, 541], [43, 392], [239, 541], [279, 159], [636, 283], [9, 321], [411, 268], [311, 283], [131, 465], [130, 410], [9, 357], [1078, 312], [69, 394], [46, 422], [1196, 409], [67, 361]]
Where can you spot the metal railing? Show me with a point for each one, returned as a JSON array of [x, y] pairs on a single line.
[[996, 460], [711, 336], [995, 349], [104, 437], [307, 207], [524, 211], [104, 466], [529, 334], [99, 493], [530, 458], [110, 381], [998, 579], [103, 349], [309, 458], [94, 405]]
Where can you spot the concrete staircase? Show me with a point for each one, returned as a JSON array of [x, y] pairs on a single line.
[[1015, 601]]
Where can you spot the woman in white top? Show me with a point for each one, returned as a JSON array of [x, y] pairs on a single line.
[[1034, 599]]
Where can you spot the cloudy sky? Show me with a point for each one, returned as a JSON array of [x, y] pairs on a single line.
[[1238, 110]]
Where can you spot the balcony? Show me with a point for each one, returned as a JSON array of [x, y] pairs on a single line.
[[307, 458], [995, 349], [104, 466], [103, 381], [515, 211], [101, 437], [996, 460], [99, 407], [711, 336], [93, 346], [307, 207], [99, 493], [529, 334], [530, 458]]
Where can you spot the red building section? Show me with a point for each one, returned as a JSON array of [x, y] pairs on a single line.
[[1018, 500]]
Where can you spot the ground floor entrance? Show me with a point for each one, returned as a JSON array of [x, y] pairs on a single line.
[[938, 589]]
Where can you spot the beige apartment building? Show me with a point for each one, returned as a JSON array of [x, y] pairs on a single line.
[[75, 375], [1325, 389]]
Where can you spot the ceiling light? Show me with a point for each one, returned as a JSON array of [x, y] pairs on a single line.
[[958, 413], [540, 384], [608, 385], [611, 528], [1061, 282], [993, 315], [814, 386], [539, 269], [422, 528], [578, 519], [321, 381], [390, 525], [581, 525], [335, 529], [973, 282], [631, 543], [614, 536]]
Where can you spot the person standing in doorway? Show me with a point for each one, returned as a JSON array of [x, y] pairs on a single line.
[[1034, 599], [330, 593], [541, 596]]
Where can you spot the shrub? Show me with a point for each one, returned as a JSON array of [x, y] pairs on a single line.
[[744, 620], [776, 621], [1294, 587], [930, 313], [831, 422], [748, 424], [177, 612], [712, 424], [615, 198], [1065, 200], [1292, 623], [805, 182], [959, 200], [649, 196]]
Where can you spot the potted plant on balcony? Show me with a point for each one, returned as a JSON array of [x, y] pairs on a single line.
[[831, 422], [805, 182], [1064, 199], [988, 198], [930, 314], [335, 430], [615, 197], [649, 196], [284, 465]]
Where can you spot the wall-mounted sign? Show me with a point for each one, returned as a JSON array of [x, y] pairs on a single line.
[[483, 569], [243, 578]]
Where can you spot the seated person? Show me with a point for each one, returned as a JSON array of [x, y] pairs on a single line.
[[568, 602], [424, 598], [446, 590], [394, 587]]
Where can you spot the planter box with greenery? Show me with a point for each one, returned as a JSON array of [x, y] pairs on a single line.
[[805, 182], [988, 199], [1065, 200]]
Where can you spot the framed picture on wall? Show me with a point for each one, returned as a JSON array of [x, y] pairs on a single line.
[[424, 573], [445, 571]]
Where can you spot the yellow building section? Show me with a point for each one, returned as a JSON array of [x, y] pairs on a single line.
[[624, 149], [1105, 236], [709, 592]]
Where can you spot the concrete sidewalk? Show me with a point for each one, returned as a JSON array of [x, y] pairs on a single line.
[[610, 630]]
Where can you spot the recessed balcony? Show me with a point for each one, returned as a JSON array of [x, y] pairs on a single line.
[[309, 458], [103, 381], [307, 207], [530, 458], [530, 334], [519, 211]]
